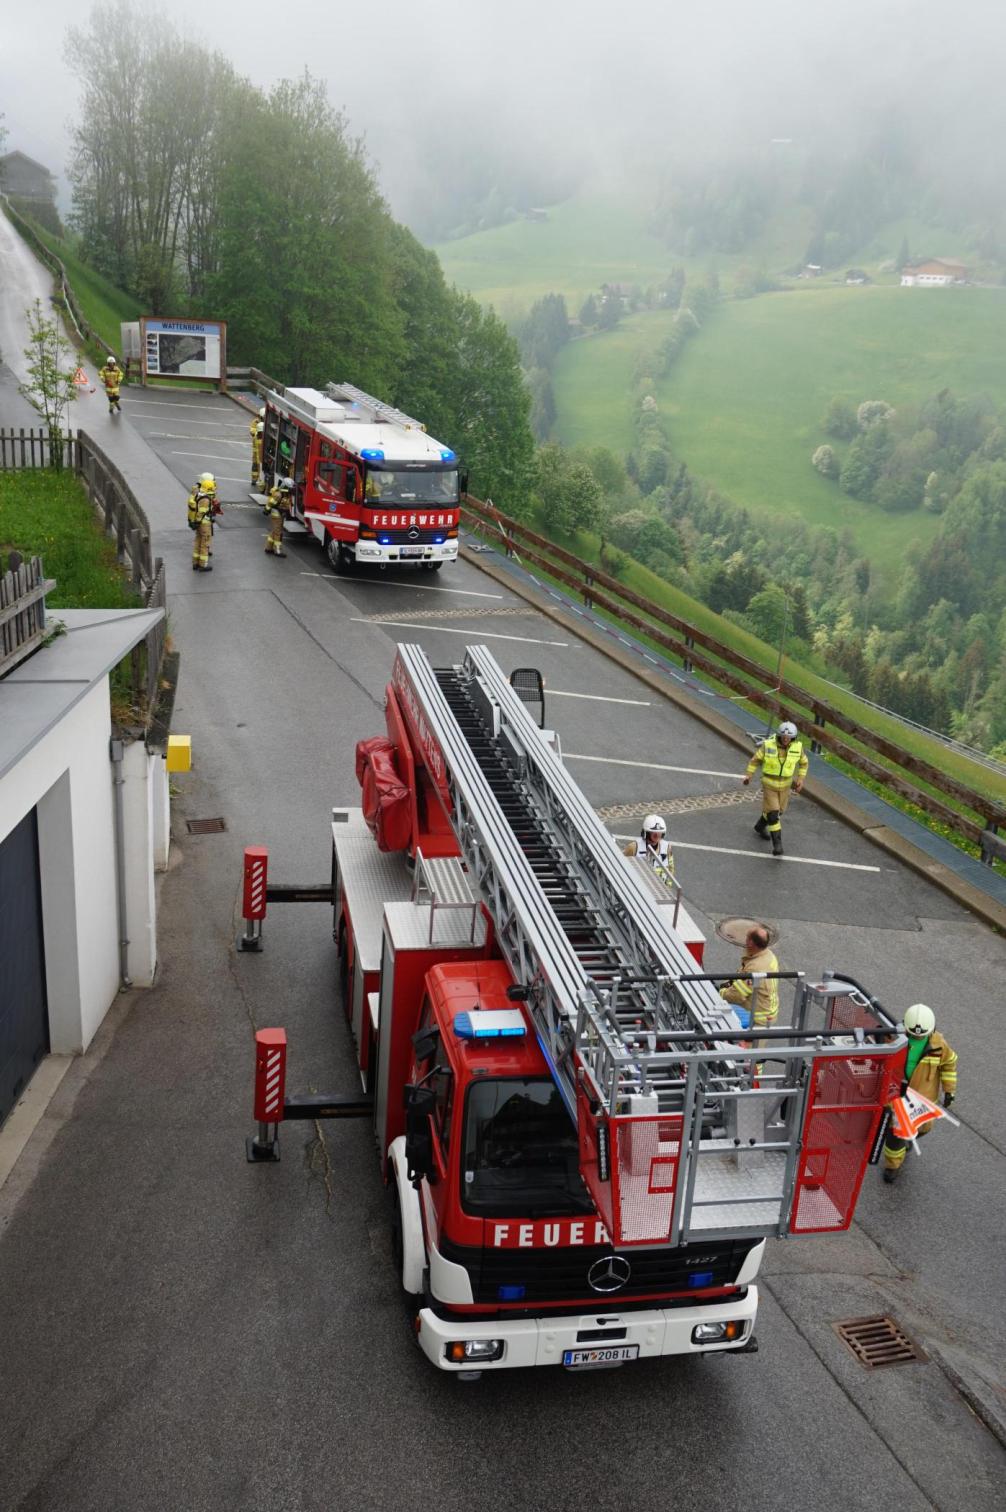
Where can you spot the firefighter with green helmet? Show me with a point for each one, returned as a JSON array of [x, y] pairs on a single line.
[[930, 1068], [783, 763]]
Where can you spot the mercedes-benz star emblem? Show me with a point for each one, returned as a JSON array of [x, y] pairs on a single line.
[[609, 1274], [413, 534]]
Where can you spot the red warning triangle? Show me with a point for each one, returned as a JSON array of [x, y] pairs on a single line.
[[81, 379], [911, 1113]]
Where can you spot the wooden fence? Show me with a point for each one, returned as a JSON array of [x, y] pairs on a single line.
[[34, 448], [982, 816], [23, 588]]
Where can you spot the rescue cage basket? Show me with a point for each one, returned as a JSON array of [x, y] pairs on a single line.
[[721, 1137]]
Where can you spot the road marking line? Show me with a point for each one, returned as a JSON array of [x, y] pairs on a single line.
[[409, 587], [649, 766], [724, 850], [641, 703], [207, 456], [525, 640], [175, 403], [169, 436]]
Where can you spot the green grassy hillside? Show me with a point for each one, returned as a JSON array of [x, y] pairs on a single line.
[[744, 402], [105, 307]]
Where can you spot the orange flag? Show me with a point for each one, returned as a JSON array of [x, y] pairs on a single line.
[[912, 1112]]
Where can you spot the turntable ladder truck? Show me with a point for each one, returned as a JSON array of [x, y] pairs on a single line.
[[585, 1151]]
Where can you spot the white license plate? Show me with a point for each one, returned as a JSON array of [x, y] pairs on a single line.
[[583, 1359], [412, 550]]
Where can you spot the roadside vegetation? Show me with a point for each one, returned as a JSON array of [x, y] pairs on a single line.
[[46, 513]]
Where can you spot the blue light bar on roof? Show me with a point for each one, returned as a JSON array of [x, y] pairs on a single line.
[[446, 455], [372, 454], [481, 1023]]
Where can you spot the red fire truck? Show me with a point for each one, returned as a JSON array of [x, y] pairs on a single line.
[[369, 484], [586, 1153]]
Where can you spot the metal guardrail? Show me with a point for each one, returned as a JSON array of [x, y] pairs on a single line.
[[699, 650]]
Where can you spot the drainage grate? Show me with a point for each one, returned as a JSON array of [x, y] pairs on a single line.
[[878, 1341], [205, 826]]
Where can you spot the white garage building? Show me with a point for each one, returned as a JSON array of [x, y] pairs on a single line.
[[83, 826]]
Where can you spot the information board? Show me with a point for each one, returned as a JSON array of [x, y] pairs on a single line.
[[184, 349]]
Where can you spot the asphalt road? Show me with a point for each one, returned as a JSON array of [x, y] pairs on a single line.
[[184, 1331]]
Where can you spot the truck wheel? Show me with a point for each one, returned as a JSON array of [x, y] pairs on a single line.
[[339, 558], [433, 566], [411, 1299]]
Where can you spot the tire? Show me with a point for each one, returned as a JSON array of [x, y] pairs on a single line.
[[338, 557], [433, 566], [411, 1300]]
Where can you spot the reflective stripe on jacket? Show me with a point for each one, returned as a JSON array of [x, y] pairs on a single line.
[[779, 768], [111, 378], [936, 1070], [766, 994]]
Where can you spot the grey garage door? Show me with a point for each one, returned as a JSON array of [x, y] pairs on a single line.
[[24, 1021]]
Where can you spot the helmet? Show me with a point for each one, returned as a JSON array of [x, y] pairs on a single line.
[[788, 730], [207, 482], [286, 484], [261, 413], [920, 1021], [259, 427], [110, 360], [653, 824]]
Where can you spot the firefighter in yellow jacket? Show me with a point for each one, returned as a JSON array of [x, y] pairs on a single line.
[[203, 505], [257, 432], [111, 378], [931, 1068], [760, 998], [783, 763], [280, 504]]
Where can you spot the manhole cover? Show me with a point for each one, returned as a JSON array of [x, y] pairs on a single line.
[[736, 931], [878, 1341], [205, 826]]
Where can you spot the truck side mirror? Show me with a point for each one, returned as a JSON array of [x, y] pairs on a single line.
[[350, 485], [463, 483], [420, 1103]]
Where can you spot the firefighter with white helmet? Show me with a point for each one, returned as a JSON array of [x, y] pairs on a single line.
[[280, 505], [930, 1068], [654, 847], [783, 763], [111, 378], [203, 507]]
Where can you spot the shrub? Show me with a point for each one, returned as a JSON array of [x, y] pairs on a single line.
[[872, 410], [826, 462]]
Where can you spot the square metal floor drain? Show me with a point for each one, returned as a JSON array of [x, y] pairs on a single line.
[[205, 826], [878, 1341]]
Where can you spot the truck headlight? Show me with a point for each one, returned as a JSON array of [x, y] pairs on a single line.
[[461, 1351], [718, 1333]]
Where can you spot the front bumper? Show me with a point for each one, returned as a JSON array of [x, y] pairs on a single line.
[[541, 1341], [373, 551]]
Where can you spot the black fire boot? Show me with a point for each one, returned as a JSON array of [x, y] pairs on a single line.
[[776, 843], [760, 828]]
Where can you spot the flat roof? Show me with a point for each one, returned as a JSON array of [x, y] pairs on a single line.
[[43, 689]]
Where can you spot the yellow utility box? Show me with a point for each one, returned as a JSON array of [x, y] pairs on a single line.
[[179, 758]]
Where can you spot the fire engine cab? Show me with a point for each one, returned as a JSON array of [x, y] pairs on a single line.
[[584, 1149], [369, 484]]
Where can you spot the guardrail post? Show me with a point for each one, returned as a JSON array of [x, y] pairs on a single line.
[[686, 661], [588, 580], [270, 1094], [815, 745], [254, 899]]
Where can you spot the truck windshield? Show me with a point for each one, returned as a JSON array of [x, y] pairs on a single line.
[[419, 486], [520, 1151]]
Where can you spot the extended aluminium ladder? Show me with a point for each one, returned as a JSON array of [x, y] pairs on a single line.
[[348, 393], [640, 1044]]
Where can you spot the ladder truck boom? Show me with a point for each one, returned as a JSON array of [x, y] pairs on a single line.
[[641, 1047]]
